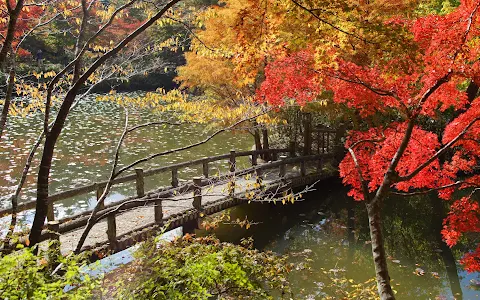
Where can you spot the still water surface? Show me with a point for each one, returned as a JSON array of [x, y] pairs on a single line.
[[328, 234], [85, 150]]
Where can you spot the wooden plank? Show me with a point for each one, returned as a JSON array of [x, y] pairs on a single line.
[[138, 234]]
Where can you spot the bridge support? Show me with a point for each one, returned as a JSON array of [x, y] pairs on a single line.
[[197, 193], [140, 182], [99, 193], [231, 184], [54, 244], [283, 167], [174, 177], [158, 211], [205, 169], [307, 134], [292, 148], [112, 231], [190, 226]]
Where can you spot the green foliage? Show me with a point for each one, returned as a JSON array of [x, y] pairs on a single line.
[[24, 275], [200, 268]]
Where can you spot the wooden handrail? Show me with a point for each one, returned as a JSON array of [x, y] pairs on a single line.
[[155, 197], [95, 186]]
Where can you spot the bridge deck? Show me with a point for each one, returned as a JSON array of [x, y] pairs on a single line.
[[139, 217]]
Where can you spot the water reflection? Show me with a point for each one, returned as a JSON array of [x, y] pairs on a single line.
[[330, 231]]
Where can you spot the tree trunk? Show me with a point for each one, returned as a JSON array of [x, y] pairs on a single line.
[[10, 35], [52, 136], [41, 206], [378, 250], [8, 99]]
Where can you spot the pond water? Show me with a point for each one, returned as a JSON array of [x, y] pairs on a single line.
[[85, 151], [327, 235]]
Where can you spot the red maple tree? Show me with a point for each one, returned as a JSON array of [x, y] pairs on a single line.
[[403, 154]]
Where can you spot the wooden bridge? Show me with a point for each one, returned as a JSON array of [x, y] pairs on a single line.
[[124, 223]]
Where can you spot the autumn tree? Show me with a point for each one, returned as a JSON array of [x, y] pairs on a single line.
[[93, 60], [400, 74], [18, 19]]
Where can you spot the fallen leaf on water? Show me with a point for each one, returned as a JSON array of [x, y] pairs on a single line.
[[419, 272]]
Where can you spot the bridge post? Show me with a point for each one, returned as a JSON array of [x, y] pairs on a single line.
[[303, 169], [328, 142], [282, 167], [140, 182], [274, 156], [232, 161], [323, 142], [307, 134], [112, 231], [197, 193], [99, 193], [319, 165], [54, 246], [292, 146], [174, 177], [50, 211], [158, 210], [54, 228], [254, 158], [231, 183], [339, 150], [205, 169], [258, 174]]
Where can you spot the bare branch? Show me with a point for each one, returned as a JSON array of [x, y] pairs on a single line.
[[312, 12], [366, 194], [192, 33], [457, 183], [189, 146]]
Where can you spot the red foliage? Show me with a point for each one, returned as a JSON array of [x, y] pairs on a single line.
[[377, 150], [291, 77], [447, 58], [27, 18]]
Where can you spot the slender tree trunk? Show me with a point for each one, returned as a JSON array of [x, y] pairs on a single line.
[[8, 99], [41, 206], [378, 250], [52, 136], [10, 35]]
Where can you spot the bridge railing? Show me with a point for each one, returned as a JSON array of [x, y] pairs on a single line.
[[139, 176], [155, 197]]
